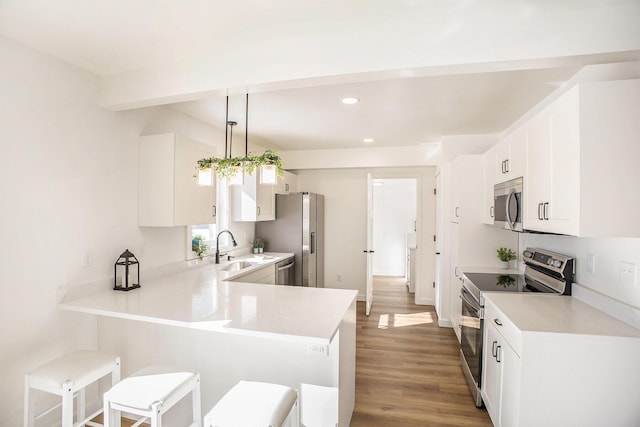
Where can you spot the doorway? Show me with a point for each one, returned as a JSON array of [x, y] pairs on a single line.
[[393, 224]]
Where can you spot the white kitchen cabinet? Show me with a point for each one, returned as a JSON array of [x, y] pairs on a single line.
[[556, 361], [510, 156], [465, 170], [253, 201], [287, 184], [581, 157], [455, 276], [488, 181], [501, 374], [552, 188], [168, 193]]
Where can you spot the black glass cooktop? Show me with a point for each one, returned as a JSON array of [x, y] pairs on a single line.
[[489, 282]]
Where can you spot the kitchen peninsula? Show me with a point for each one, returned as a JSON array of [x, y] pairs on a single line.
[[200, 319]]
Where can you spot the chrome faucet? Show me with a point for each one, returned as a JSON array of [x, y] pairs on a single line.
[[233, 243]]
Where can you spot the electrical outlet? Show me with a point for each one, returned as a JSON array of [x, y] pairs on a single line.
[[88, 258], [628, 273], [591, 263], [318, 349]]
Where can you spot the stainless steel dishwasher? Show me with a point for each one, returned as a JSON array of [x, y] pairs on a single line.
[[285, 273]]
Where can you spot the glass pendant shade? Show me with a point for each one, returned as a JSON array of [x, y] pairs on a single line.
[[268, 174], [205, 177]]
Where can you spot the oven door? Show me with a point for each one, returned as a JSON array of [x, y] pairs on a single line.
[[471, 343]]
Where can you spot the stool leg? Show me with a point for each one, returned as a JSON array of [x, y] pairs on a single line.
[[67, 404], [156, 417], [115, 374], [80, 409], [28, 404], [195, 394], [110, 417]]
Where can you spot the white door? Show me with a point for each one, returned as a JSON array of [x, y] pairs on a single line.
[[369, 249]]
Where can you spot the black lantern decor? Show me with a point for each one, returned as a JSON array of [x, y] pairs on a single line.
[[126, 270]]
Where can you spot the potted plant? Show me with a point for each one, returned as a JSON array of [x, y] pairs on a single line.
[[226, 167], [198, 246], [506, 255], [258, 245]]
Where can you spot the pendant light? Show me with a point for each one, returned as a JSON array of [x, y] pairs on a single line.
[[268, 173], [237, 177]]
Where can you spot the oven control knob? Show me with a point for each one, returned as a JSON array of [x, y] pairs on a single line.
[[557, 263], [550, 261], [528, 254]]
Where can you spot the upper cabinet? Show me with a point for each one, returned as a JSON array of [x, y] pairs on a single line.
[[253, 201], [510, 156], [582, 157], [168, 193], [287, 184]]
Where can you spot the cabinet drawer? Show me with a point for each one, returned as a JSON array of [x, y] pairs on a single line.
[[504, 326]]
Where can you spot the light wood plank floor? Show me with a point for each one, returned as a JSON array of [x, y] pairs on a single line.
[[407, 368]]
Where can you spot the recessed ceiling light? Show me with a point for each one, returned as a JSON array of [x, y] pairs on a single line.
[[367, 140], [350, 101]]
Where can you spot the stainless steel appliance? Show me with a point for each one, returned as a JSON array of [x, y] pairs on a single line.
[[507, 204], [285, 272], [298, 228], [545, 272]]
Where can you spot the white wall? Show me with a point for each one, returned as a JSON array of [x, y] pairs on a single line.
[[68, 183], [394, 216]]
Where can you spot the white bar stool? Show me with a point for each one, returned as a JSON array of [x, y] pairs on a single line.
[[150, 393], [67, 376], [255, 404]]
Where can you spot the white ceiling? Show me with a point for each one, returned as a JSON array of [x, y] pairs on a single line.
[[112, 38]]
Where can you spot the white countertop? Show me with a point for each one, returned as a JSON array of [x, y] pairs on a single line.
[[558, 314], [200, 298]]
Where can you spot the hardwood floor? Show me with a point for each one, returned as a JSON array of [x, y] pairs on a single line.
[[407, 368]]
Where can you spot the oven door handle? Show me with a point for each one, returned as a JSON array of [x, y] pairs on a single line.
[[510, 221], [470, 302]]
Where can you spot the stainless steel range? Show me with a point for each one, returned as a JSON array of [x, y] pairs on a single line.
[[545, 272]]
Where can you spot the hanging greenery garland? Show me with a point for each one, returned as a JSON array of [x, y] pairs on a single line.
[[226, 167]]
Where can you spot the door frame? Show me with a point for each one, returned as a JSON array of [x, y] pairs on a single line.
[[425, 199]]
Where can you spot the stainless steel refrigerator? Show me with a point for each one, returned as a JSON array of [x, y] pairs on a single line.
[[298, 228]]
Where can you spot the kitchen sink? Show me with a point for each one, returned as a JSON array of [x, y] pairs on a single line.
[[237, 265]]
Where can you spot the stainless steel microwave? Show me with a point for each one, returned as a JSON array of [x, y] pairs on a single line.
[[507, 204]]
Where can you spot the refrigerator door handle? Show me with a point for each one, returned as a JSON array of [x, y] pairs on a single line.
[[313, 242]]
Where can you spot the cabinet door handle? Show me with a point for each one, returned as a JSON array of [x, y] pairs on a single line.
[[457, 212], [497, 322], [506, 167], [491, 211], [503, 167], [213, 210], [286, 188], [498, 354], [493, 349], [540, 214], [258, 210], [545, 211]]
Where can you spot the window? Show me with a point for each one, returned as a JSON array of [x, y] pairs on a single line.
[[208, 232]]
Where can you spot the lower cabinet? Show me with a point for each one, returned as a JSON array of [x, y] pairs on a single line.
[[501, 377], [555, 361]]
